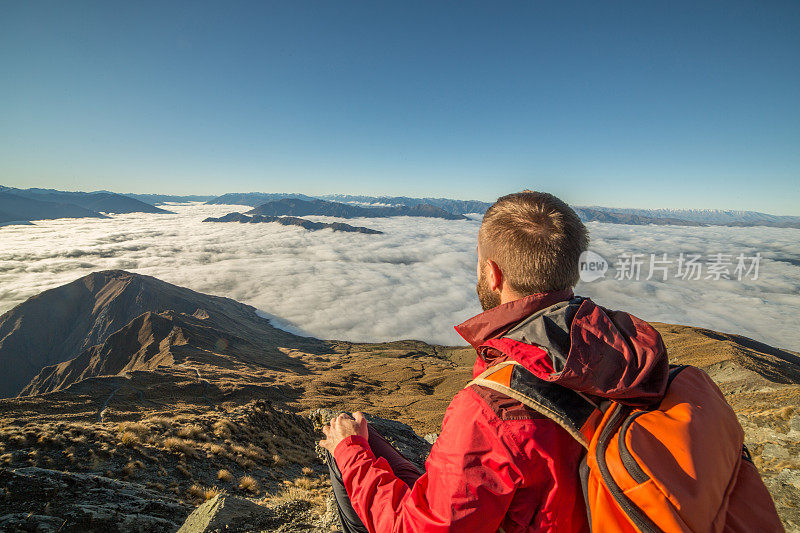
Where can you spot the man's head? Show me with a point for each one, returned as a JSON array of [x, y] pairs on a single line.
[[529, 242]]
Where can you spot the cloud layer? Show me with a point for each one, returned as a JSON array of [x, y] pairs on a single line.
[[414, 282]]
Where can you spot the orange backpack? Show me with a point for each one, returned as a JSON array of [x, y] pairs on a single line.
[[678, 466]]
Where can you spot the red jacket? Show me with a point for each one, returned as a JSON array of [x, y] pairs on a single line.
[[497, 464]]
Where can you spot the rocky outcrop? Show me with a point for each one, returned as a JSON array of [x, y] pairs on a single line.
[[235, 514], [775, 445], [229, 513], [82, 502], [232, 514], [401, 436]]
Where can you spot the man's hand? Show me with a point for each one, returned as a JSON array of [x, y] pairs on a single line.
[[341, 427]]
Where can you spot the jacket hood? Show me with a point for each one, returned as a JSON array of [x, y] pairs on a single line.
[[590, 349]]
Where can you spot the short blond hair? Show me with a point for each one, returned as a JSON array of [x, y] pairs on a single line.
[[536, 239]]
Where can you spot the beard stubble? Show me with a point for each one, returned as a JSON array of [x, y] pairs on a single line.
[[488, 298]]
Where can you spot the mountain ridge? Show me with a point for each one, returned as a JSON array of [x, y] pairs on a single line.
[[15, 208], [292, 221], [588, 213], [87, 311], [299, 207], [26, 205]]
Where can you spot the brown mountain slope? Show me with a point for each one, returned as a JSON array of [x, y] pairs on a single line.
[[61, 323], [176, 339], [142, 344], [716, 351]]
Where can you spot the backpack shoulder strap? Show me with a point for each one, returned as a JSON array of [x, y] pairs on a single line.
[[574, 412]]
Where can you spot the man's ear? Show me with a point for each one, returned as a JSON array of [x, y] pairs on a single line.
[[494, 276]]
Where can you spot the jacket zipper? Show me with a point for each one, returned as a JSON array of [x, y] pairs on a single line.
[[628, 460]]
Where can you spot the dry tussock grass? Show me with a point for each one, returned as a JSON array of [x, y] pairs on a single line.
[[186, 447], [129, 438], [70, 454], [133, 433], [305, 483], [250, 451], [133, 427], [244, 462], [223, 428], [184, 470], [192, 431], [159, 420], [213, 491], [80, 439], [217, 449], [18, 440], [249, 484], [199, 493], [303, 488], [187, 453], [131, 467], [93, 460], [53, 441]]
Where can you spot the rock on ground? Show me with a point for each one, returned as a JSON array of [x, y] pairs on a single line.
[[42, 500], [223, 512], [401, 436]]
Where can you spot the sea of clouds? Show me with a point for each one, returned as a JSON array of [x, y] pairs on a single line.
[[414, 282]]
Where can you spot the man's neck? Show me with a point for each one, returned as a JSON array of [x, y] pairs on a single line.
[[509, 296]]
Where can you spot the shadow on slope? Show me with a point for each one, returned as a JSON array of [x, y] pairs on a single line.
[[86, 312]]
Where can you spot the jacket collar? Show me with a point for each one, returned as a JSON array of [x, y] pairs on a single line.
[[498, 320]]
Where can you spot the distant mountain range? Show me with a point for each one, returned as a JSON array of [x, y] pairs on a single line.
[[254, 199], [612, 215], [48, 204], [299, 207], [455, 207], [14, 208], [293, 221], [705, 217], [600, 214], [24, 205], [158, 199]]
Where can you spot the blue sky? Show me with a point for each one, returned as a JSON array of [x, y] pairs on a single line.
[[634, 104]]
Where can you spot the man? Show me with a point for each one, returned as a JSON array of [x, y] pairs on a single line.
[[497, 464]]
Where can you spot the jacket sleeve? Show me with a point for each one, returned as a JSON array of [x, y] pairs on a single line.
[[470, 477]]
